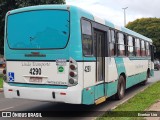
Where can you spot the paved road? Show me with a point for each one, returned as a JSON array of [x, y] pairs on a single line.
[[28, 105]]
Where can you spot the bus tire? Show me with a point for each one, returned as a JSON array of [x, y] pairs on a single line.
[[120, 88], [145, 81]]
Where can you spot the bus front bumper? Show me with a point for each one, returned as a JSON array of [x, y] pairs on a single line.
[[71, 95]]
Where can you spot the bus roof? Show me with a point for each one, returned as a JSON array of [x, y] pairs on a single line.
[[95, 18]]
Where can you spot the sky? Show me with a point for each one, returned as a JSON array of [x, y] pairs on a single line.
[[112, 9]]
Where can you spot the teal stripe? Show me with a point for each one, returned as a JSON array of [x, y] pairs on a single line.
[[135, 79], [37, 86], [152, 72], [120, 65], [99, 91], [111, 88], [88, 96]]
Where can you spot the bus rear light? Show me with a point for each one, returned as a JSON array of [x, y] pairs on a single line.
[[4, 71], [72, 81], [71, 61], [73, 74], [4, 65], [73, 67]]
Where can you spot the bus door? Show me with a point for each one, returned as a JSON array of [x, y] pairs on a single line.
[[99, 38]]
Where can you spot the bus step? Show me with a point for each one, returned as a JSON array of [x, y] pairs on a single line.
[[100, 100]]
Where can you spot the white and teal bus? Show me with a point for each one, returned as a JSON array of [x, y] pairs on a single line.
[[61, 53]]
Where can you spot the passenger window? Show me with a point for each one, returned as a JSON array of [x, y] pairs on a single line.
[[112, 43], [121, 44], [137, 47], [143, 51], [130, 46], [147, 49], [87, 38]]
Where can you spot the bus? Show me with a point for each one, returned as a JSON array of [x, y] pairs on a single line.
[[62, 53]]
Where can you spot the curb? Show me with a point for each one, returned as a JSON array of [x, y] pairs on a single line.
[[123, 101], [128, 98], [1, 89]]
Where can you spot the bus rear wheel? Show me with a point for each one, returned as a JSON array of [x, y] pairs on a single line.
[[145, 81], [121, 88]]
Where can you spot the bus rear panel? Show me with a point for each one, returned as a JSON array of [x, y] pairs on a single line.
[[39, 65]]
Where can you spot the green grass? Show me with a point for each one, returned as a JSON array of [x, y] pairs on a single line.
[[1, 82], [139, 102]]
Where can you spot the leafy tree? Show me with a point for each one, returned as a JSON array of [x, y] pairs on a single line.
[[149, 27], [6, 5], [24, 3]]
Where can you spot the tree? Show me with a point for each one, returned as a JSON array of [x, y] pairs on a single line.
[[24, 3], [149, 27], [6, 5]]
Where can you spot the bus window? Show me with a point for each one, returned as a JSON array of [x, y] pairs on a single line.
[[137, 47], [112, 43], [130, 46], [121, 46], [147, 49], [27, 30], [87, 38], [143, 51]]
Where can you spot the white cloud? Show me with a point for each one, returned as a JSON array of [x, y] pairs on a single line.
[[112, 9]]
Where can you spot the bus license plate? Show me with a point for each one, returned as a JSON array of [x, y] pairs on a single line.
[[35, 80]]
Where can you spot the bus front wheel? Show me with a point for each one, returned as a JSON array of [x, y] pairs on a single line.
[[120, 88]]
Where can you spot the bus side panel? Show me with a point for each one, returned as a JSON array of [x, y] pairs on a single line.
[[111, 76], [99, 91], [135, 79], [120, 65], [136, 71], [88, 95], [89, 82], [111, 88]]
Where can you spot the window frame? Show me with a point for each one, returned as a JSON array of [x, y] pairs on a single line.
[[91, 36]]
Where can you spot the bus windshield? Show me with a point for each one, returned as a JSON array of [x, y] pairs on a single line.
[[41, 29]]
